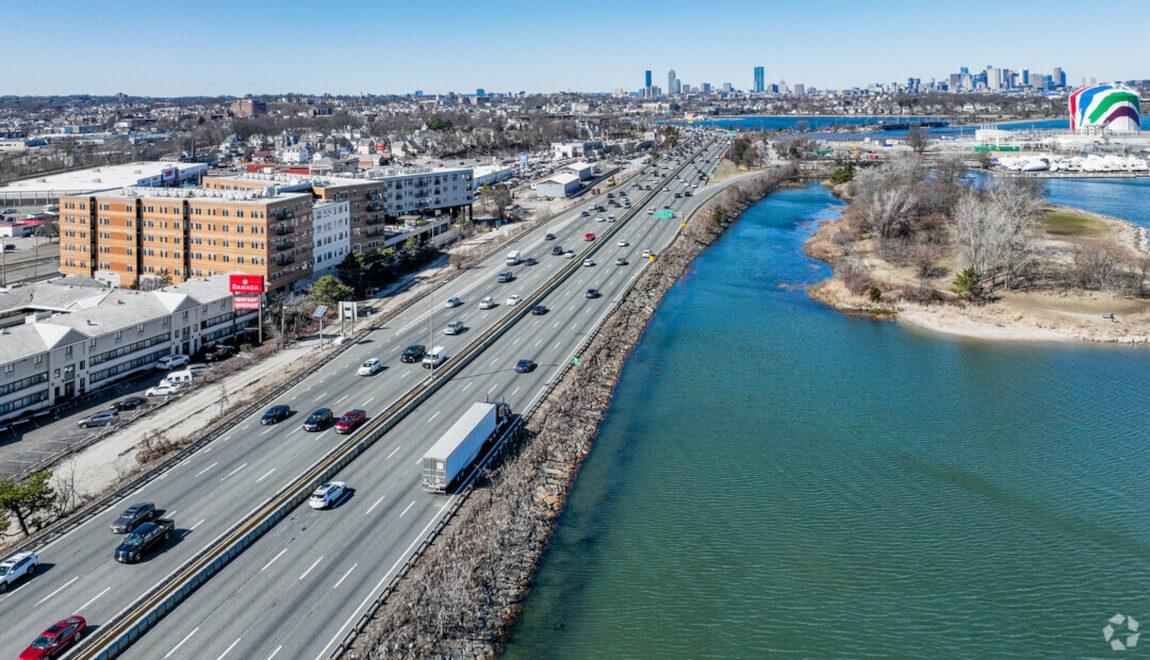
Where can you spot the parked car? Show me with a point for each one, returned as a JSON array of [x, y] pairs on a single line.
[[53, 642], [557, 250], [514, 299], [275, 415], [505, 277], [165, 389], [102, 418], [524, 366], [327, 495], [130, 403], [319, 419], [453, 328], [539, 310], [370, 367], [219, 353], [350, 421], [487, 303], [592, 293], [134, 515], [452, 302], [413, 353], [19, 565], [169, 362], [144, 538]]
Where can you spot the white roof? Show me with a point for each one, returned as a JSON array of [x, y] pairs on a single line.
[[99, 178], [562, 178], [581, 165]]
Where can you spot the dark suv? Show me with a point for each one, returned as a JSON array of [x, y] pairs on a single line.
[[557, 250], [413, 353], [219, 353], [144, 538], [319, 420], [132, 516]]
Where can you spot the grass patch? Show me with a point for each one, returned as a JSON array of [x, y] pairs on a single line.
[[1059, 222]]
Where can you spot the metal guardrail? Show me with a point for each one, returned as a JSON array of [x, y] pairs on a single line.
[[126, 627], [497, 448]]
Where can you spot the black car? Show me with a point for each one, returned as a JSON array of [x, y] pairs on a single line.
[[593, 293], [319, 420], [524, 367], [219, 353], [144, 538], [275, 414], [413, 353], [549, 237], [132, 516], [539, 310], [130, 403], [557, 250], [530, 261], [505, 277]]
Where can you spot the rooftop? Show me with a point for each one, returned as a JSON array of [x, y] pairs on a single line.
[[259, 195], [100, 178]]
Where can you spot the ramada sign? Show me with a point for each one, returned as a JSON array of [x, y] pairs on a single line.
[[246, 283]]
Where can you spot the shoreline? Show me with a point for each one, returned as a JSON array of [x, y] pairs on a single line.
[[494, 543]]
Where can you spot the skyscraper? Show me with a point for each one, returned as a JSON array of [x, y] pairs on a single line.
[[671, 82], [1059, 77], [647, 79], [760, 80]]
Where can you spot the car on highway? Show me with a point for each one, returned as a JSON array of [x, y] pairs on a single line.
[[414, 353], [319, 419], [611, 218], [370, 367], [592, 293], [620, 261], [453, 328], [487, 303], [569, 254], [539, 310], [19, 565], [505, 277], [133, 516], [144, 538], [53, 642], [327, 495], [102, 418], [549, 237], [350, 421], [514, 299], [524, 367], [588, 263], [624, 244], [530, 261], [130, 403], [557, 250], [452, 302], [588, 237], [219, 353], [169, 362], [647, 254], [651, 211], [164, 389], [275, 415]]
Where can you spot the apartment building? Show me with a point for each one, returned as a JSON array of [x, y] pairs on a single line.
[[331, 236], [62, 338], [145, 237]]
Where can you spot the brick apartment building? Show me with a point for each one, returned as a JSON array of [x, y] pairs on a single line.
[[247, 108]]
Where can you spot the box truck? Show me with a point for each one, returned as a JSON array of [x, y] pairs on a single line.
[[460, 445], [513, 258]]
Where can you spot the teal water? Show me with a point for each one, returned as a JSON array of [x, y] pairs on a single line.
[[774, 478]]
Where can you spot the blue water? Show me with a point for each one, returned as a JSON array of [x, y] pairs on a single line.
[[1125, 198], [774, 478], [816, 127]]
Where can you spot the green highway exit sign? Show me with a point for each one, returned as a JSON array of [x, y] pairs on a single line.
[[664, 215]]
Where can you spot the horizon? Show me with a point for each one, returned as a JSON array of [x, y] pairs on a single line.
[[264, 47]]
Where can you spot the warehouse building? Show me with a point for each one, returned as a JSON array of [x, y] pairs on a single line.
[[560, 185]]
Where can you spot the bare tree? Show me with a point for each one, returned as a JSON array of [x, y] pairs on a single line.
[[917, 139]]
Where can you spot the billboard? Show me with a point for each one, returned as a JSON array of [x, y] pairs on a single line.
[[246, 283], [245, 302]]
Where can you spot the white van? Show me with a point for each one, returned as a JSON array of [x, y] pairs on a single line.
[[183, 377], [513, 258], [434, 357]]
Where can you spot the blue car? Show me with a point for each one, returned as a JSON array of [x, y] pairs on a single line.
[[524, 367], [275, 414]]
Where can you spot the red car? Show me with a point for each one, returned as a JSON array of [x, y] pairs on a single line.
[[588, 236], [54, 641], [350, 421]]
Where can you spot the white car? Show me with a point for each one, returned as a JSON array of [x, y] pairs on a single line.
[[169, 362], [452, 302], [588, 263], [487, 303], [514, 299], [370, 367], [164, 389], [646, 254], [453, 328], [327, 495], [16, 567], [569, 254], [623, 243]]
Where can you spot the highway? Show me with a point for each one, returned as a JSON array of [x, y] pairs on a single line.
[[221, 484], [295, 593]]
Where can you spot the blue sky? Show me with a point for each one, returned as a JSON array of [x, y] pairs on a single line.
[[384, 46]]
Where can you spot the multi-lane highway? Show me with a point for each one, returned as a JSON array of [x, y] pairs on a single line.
[[294, 591]]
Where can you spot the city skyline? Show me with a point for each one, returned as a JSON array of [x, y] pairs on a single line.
[[234, 62]]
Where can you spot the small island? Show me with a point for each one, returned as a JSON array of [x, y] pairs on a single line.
[[920, 243]]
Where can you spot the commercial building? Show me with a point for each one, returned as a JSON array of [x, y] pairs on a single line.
[[559, 185], [580, 169], [62, 338], [760, 80], [331, 235], [140, 237], [576, 149], [40, 191], [485, 175], [247, 108], [1104, 107]]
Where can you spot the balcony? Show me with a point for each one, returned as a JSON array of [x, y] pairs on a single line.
[[374, 207], [374, 220], [375, 196], [283, 229], [375, 231], [282, 245], [283, 214], [284, 260]]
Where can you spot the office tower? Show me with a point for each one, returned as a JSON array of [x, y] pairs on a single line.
[[760, 80], [1059, 77], [671, 80], [647, 79], [1026, 77]]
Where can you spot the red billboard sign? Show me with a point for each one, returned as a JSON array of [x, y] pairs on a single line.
[[246, 302], [246, 283]]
